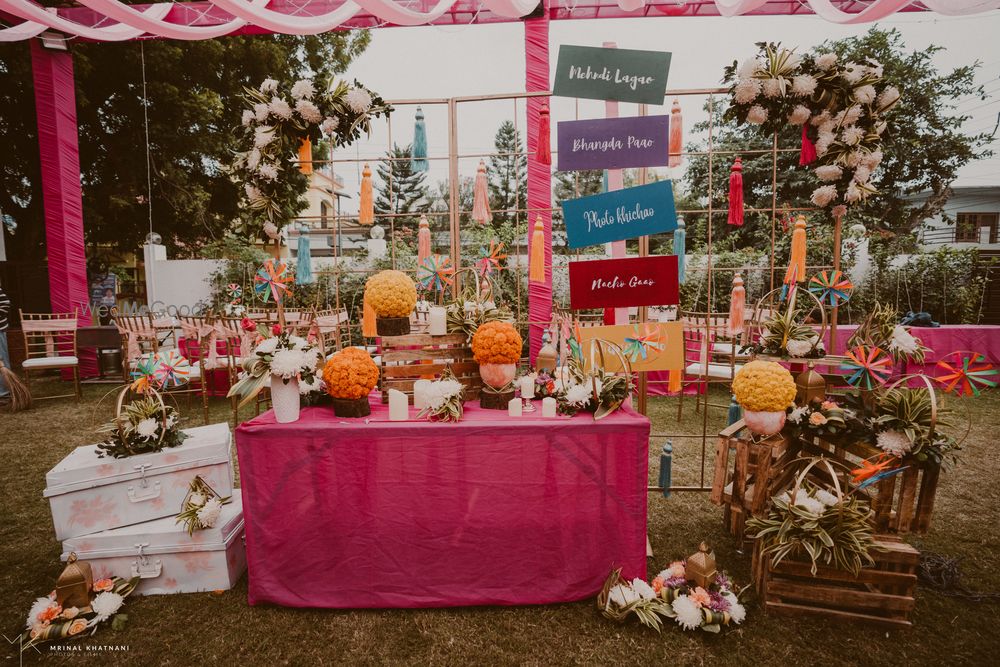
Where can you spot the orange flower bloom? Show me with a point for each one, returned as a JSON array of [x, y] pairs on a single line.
[[77, 626], [102, 585], [497, 343], [658, 584], [700, 597], [49, 613], [350, 373]]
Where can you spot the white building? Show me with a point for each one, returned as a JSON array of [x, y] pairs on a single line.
[[971, 217]]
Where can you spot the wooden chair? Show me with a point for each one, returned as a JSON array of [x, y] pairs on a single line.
[[238, 343], [139, 339], [710, 354], [329, 329], [50, 344], [200, 348]]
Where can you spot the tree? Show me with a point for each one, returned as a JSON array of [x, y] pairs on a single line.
[[194, 104], [507, 173], [400, 189], [574, 184]]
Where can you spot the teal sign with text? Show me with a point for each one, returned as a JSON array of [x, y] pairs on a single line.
[[625, 75], [622, 214]]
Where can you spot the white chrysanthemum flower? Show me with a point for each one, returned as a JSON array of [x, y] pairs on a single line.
[[829, 172], [823, 195], [887, 99], [772, 88], [821, 119], [746, 90], [260, 111], [253, 192], [881, 127], [798, 348], [865, 94], [792, 60], [271, 230], [329, 125], [303, 89], [263, 136], [40, 605], [853, 114], [644, 590], [797, 414], [737, 612], [903, 341], [248, 117], [826, 61], [267, 346], [852, 73], [106, 605], [876, 68], [873, 159], [757, 114], [863, 173], [622, 595], [825, 497], [749, 67], [852, 135], [268, 86], [894, 442], [147, 428], [287, 363], [358, 100], [804, 85], [809, 504], [197, 499], [253, 159], [280, 108], [268, 171], [209, 513], [308, 111], [297, 342], [853, 193], [309, 387], [688, 612], [579, 395], [854, 159], [449, 388], [823, 144], [799, 115]]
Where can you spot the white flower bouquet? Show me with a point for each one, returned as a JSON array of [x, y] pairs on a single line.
[[145, 425], [283, 357], [201, 506], [444, 399]]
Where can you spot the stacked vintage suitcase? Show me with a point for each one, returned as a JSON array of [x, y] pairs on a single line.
[[119, 514]]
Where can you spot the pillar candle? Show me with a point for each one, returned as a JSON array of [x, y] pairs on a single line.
[[528, 386], [420, 393], [398, 406], [514, 408], [548, 407], [438, 321]]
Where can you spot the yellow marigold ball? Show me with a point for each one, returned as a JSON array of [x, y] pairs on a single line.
[[764, 386], [391, 294], [350, 373], [496, 343]]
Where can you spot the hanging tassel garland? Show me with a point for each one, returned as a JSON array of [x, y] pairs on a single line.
[[737, 306], [423, 240], [736, 193], [368, 329], [808, 153], [676, 134], [797, 263], [306, 157], [543, 148], [366, 212], [480, 197], [680, 249], [418, 160], [536, 261]]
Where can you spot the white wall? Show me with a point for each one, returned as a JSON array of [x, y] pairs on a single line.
[[937, 232], [176, 285]]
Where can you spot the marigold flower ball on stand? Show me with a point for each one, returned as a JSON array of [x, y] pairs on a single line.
[[393, 296], [496, 346], [764, 389], [350, 375]]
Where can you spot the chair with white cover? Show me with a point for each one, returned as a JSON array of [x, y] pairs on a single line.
[[50, 344], [329, 328], [710, 354]]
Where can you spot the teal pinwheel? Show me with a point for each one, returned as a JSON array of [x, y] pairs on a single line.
[[489, 260], [642, 344], [832, 288], [867, 367], [966, 373], [272, 281], [435, 272]]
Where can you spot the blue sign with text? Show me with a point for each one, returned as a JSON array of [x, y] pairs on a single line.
[[621, 214]]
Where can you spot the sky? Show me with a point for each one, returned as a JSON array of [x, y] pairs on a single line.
[[438, 62]]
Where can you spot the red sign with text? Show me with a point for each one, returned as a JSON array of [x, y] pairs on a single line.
[[619, 283]]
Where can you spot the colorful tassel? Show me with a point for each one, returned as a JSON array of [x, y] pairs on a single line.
[[423, 240], [543, 148], [306, 157], [366, 212], [676, 134], [736, 193], [481, 197], [680, 249], [536, 261], [737, 306], [418, 161], [808, 153], [368, 329], [797, 263]]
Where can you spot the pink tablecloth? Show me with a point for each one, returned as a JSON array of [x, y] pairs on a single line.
[[492, 510]]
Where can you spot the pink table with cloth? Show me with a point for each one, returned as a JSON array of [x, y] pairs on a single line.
[[489, 511]]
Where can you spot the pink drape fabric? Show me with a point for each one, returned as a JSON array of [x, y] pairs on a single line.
[[498, 511], [536, 77]]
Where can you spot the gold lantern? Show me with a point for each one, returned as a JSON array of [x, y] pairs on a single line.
[[700, 567], [75, 582], [546, 359], [810, 387]]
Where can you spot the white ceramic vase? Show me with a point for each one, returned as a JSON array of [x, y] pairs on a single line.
[[764, 423], [285, 399]]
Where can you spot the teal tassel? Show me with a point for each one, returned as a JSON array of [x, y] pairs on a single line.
[[419, 154], [680, 241], [303, 269], [666, 459], [735, 414]]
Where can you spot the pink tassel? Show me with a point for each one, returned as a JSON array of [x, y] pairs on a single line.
[[480, 197], [808, 153], [676, 134], [737, 306], [543, 148], [736, 193], [423, 240]]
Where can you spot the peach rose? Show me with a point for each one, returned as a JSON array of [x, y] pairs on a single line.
[[700, 597], [829, 405], [69, 613], [77, 626], [102, 585], [817, 419], [658, 584], [677, 569]]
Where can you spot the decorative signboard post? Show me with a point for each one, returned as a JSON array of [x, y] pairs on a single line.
[[625, 75], [621, 214], [614, 143], [620, 283]]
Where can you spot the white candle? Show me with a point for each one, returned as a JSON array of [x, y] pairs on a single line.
[[398, 406], [548, 407], [514, 408], [528, 386], [438, 321], [420, 388]]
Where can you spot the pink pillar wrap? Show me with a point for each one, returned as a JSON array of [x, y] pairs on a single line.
[[55, 108], [536, 64]]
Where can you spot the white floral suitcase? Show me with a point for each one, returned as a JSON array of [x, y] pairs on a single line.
[[165, 558], [88, 494]]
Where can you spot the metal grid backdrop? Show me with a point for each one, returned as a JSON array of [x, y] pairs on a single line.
[[447, 226]]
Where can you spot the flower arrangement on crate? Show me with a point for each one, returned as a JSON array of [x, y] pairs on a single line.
[[496, 347], [350, 375], [390, 297], [77, 609], [784, 333], [475, 305], [202, 506], [592, 387], [765, 389], [909, 424], [445, 399], [143, 426]]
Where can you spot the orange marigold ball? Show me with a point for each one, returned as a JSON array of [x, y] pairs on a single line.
[[496, 343], [350, 373], [391, 294]]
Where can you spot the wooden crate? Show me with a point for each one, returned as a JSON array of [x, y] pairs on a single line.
[[406, 359], [882, 594]]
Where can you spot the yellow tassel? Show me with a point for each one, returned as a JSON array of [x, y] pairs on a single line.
[[366, 214], [536, 261], [368, 329], [306, 157], [797, 264]]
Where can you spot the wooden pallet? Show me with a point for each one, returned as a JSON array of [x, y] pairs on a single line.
[[406, 359], [882, 594]]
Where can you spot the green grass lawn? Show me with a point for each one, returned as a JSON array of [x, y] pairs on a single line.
[[202, 628]]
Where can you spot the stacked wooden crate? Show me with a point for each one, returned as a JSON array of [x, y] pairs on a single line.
[[406, 359]]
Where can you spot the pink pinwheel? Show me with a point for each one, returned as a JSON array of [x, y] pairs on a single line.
[[867, 367], [273, 280]]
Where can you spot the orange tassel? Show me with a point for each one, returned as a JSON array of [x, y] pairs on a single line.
[[737, 306], [797, 263], [366, 212], [736, 193], [676, 134], [368, 329], [536, 260], [543, 148], [306, 157], [674, 381], [481, 197], [423, 240]]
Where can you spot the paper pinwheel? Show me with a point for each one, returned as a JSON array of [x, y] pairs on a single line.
[[867, 367], [435, 272], [642, 344], [234, 292], [144, 373], [172, 369], [272, 281], [489, 261], [832, 288], [966, 373]]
